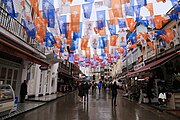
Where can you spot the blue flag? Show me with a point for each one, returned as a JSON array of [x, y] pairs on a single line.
[[54, 53], [159, 32], [142, 2], [61, 49], [10, 8], [62, 24], [49, 41], [122, 23], [49, 12], [150, 20], [129, 10], [162, 44], [174, 16], [101, 16], [72, 46], [112, 28], [132, 38], [137, 9], [174, 2], [29, 27], [177, 8], [89, 0], [77, 35], [102, 42], [71, 58], [87, 8]]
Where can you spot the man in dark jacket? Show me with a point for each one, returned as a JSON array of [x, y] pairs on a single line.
[[86, 90], [23, 91], [114, 88]]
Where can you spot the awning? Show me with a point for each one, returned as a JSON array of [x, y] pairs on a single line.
[[153, 64], [15, 51]]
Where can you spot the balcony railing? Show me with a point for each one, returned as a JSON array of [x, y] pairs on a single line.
[[14, 27]]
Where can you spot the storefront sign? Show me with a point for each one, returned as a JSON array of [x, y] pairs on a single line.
[[138, 66], [43, 68]]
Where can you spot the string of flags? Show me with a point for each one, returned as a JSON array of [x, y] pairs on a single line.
[[95, 32]]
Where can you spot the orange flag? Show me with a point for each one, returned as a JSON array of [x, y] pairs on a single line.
[[34, 4], [113, 39], [40, 24], [117, 8], [87, 51], [170, 34], [150, 8], [75, 18], [161, 0], [158, 19], [151, 45], [84, 43], [130, 23], [69, 34], [120, 49], [102, 32], [106, 49], [58, 42], [112, 19], [124, 1]]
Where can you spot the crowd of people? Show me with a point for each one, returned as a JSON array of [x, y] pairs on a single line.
[[85, 86]]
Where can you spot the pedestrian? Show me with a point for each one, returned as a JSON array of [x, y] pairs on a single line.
[[86, 91], [80, 94], [93, 87], [99, 86], [114, 88], [23, 91]]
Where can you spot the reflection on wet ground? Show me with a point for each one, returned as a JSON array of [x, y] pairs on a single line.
[[98, 108]]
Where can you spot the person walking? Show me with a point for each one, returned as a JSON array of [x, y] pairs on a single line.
[[99, 86], [114, 88], [23, 91], [81, 93], [86, 91], [93, 87]]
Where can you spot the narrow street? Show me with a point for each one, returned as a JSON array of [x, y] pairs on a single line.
[[99, 108]]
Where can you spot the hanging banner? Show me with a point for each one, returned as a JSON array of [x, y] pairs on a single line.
[[62, 24], [94, 41], [112, 28], [101, 17], [84, 43], [129, 10], [122, 39], [49, 13], [122, 23], [87, 8], [102, 42], [113, 39], [10, 8], [75, 18]]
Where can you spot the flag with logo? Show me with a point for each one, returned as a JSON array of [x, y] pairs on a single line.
[[129, 10], [40, 24], [10, 8], [150, 8], [112, 19], [77, 35], [117, 8], [132, 38], [137, 9], [34, 4], [84, 43], [101, 17], [94, 42], [174, 2], [62, 24], [87, 8], [69, 34], [130, 23], [49, 41], [29, 25], [113, 39], [122, 39], [112, 28], [49, 12], [102, 42], [75, 18], [158, 20], [122, 23]]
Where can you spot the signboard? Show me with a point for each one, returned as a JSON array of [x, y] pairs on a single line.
[[138, 66], [43, 68]]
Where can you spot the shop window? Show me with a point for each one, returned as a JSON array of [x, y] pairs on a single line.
[[3, 73], [9, 74]]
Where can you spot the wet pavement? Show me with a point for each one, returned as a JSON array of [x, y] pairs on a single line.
[[98, 108]]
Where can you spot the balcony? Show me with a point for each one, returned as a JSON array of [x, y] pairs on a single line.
[[12, 31]]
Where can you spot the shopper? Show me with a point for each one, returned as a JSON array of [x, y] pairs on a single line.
[[99, 86], [86, 91], [114, 88], [23, 91], [93, 87], [81, 93]]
